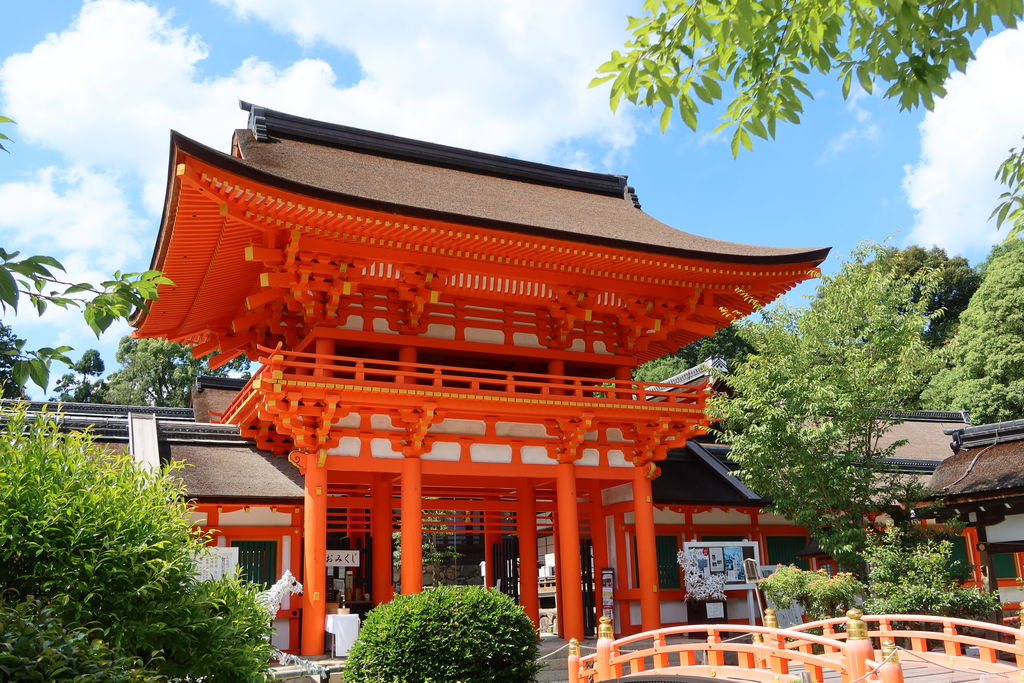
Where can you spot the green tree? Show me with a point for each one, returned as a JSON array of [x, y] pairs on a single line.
[[83, 384], [10, 349], [110, 548], [37, 279], [682, 52], [985, 360], [914, 574], [160, 373], [807, 422], [726, 343], [955, 284]]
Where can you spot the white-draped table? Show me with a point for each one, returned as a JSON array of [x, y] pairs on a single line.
[[345, 628]]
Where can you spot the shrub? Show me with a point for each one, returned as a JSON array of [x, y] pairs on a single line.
[[917, 576], [109, 547], [35, 645], [443, 635], [820, 595]]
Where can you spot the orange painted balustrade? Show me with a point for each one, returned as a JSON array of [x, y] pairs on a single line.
[[876, 651]]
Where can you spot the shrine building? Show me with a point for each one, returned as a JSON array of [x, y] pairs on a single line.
[[445, 341]]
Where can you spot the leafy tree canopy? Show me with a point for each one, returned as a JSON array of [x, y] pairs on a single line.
[[758, 55], [110, 548], [160, 373], [83, 384], [727, 343], [805, 420], [955, 284], [10, 349], [985, 360]]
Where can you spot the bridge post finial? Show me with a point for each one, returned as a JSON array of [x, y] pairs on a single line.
[[858, 645], [574, 661], [770, 620], [890, 670], [603, 661]]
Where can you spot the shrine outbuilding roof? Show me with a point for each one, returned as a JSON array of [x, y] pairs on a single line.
[[989, 462]]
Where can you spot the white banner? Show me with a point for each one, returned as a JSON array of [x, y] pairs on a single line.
[[216, 563], [343, 558]]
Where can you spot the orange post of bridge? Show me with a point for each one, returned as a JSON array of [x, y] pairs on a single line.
[[314, 595]]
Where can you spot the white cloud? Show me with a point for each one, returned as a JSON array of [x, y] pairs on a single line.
[[503, 77], [864, 129], [963, 140]]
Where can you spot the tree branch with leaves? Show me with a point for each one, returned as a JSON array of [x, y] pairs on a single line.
[[757, 56]]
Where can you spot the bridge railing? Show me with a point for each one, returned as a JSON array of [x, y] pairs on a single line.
[[856, 647]]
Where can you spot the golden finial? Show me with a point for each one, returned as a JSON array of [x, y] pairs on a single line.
[[757, 638], [574, 648], [856, 629], [770, 620], [889, 651], [604, 630]]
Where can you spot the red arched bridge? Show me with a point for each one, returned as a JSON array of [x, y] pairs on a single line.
[[852, 649]]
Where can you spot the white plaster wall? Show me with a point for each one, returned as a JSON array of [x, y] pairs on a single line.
[[634, 613], [256, 515], [444, 450], [490, 452], [535, 455], [617, 458], [350, 421], [591, 457], [673, 611], [717, 516], [381, 448], [522, 430], [438, 331], [280, 637], [771, 518], [381, 325], [1010, 529], [590, 436], [599, 347], [286, 564], [197, 518], [352, 322], [617, 494], [578, 344], [527, 339], [348, 446], [383, 423], [614, 435], [484, 335], [668, 517], [452, 426]]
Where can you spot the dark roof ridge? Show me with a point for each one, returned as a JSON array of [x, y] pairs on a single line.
[[78, 410], [212, 382], [928, 415], [991, 434], [266, 124]]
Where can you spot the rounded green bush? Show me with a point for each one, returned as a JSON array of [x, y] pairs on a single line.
[[447, 634]]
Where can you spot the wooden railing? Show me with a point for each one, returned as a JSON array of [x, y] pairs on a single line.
[[296, 369], [861, 648]]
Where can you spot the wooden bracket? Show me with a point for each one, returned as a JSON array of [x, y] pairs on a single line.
[[417, 422], [571, 434]]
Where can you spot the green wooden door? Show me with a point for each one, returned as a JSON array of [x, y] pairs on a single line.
[[668, 567], [783, 549], [257, 561]]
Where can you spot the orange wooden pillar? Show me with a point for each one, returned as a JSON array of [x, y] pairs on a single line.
[[314, 573], [569, 552], [526, 529], [412, 525], [382, 586], [646, 552]]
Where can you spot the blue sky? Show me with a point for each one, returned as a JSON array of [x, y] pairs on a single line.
[[96, 87]]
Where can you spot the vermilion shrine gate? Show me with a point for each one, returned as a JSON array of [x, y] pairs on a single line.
[[444, 329]]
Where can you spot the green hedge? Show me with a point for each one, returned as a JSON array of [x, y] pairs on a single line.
[[446, 634]]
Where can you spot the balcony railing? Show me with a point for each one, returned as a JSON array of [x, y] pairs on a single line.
[[291, 370]]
